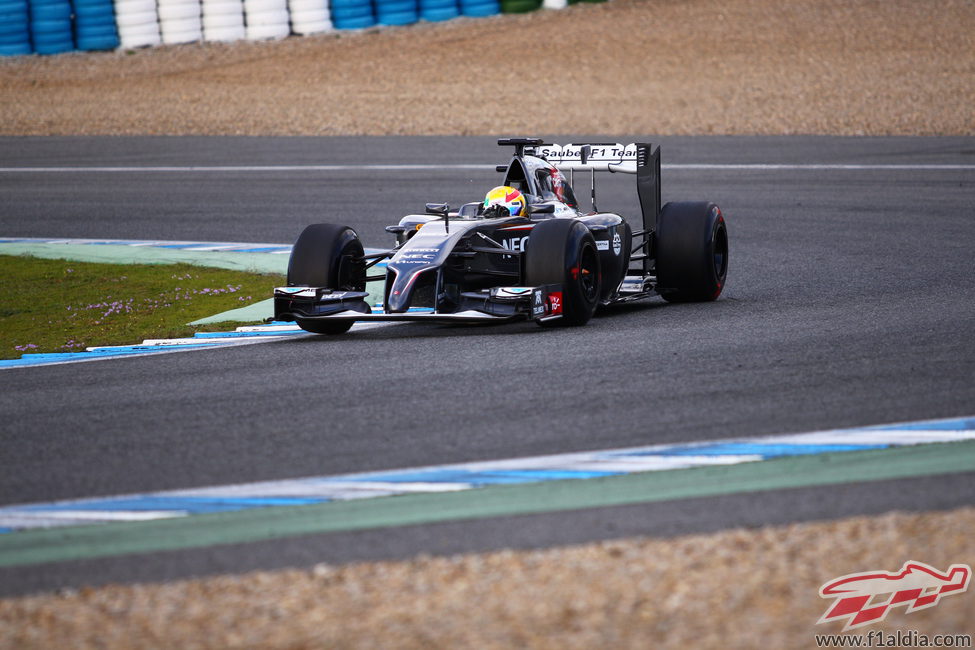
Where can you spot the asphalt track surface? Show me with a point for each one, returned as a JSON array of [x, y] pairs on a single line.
[[849, 302]]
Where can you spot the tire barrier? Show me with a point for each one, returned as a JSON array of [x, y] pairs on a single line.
[[266, 19], [55, 26], [437, 10], [50, 26], [352, 14], [180, 21], [309, 17], [397, 12], [223, 20], [14, 28], [138, 23], [94, 25], [479, 8]]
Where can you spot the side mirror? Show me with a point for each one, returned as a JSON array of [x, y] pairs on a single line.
[[542, 208], [438, 208]]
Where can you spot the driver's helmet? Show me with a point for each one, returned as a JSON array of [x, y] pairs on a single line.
[[506, 197]]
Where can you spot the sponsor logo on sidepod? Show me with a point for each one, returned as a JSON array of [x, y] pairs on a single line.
[[515, 243]]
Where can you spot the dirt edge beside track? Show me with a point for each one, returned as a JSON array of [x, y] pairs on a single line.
[[839, 67], [735, 589]]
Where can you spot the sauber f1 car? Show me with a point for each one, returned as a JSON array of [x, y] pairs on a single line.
[[528, 252]]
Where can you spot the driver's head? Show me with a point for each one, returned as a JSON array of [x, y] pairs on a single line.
[[506, 197]]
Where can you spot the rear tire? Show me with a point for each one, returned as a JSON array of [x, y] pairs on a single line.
[[692, 252], [563, 251], [327, 255]]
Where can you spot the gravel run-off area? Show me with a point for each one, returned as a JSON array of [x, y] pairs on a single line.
[[736, 589], [623, 67], [653, 67]]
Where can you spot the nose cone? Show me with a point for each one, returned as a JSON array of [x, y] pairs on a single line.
[[400, 293]]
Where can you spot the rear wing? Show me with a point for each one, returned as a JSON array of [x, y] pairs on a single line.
[[640, 158], [600, 157]]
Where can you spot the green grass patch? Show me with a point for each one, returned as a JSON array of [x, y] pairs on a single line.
[[63, 306]]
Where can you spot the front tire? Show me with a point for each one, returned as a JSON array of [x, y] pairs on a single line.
[[327, 255], [563, 251], [692, 252]]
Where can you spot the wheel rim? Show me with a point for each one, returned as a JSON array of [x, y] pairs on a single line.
[[350, 272], [720, 252], [589, 273]]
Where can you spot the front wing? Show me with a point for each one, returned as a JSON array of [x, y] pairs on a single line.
[[499, 304]]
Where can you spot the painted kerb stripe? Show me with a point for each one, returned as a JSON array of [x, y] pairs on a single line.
[[468, 476], [81, 542], [189, 252]]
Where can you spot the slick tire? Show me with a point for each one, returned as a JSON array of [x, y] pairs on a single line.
[[692, 252], [327, 255], [563, 251]]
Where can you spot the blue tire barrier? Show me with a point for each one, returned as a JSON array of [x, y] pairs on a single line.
[[102, 9], [354, 23], [96, 18], [396, 12], [437, 10], [14, 21], [50, 26], [53, 46], [13, 10], [14, 28], [10, 29], [96, 43], [479, 8], [401, 18], [83, 23], [52, 12], [352, 14], [102, 31], [17, 49], [94, 25]]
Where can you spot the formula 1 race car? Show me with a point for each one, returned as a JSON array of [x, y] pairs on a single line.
[[527, 252]]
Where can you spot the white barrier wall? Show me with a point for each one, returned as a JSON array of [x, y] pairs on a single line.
[[266, 19], [138, 23], [309, 16], [180, 21], [223, 20]]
